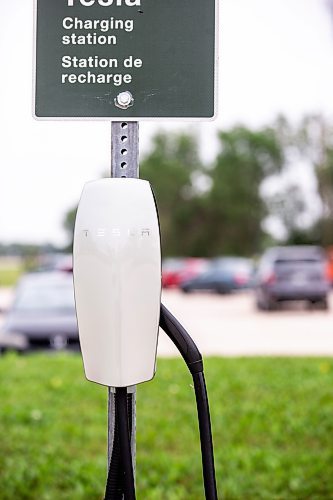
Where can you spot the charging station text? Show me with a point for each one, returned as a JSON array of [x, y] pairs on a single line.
[[82, 30], [90, 77], [105, 3]]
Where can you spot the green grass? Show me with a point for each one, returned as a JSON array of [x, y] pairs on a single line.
[[272, 424], [9, 276]]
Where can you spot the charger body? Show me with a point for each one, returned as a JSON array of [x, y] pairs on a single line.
[[117, 280]]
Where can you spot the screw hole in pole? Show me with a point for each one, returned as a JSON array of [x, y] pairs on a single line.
[[123, 164], [124, 152], [124, 125], [124, 138]]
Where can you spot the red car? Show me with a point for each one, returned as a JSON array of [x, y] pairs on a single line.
[[177, 270], [330, 265]]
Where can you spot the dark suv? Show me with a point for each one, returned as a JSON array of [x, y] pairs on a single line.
[[292, 273]]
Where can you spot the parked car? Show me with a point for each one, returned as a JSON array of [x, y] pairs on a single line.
[[292, 273], [170, 271], [193, 268], [224, 275], [330, 266], [56, 262], [43, 312], [177, 270]]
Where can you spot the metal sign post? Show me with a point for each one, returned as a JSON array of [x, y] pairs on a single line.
[[124, 163], [125, 149]]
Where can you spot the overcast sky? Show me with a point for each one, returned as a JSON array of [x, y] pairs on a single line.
[[275, 57]]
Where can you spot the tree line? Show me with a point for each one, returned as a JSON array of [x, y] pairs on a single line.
[[224, 207]]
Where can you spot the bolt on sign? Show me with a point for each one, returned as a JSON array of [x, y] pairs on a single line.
[[133, 59]]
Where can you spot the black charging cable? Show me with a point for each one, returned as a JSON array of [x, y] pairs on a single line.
[[192, 357], [121, 478], [115, 481], [120, 483], [125, 443]]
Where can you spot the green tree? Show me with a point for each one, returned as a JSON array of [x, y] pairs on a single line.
[[68, 224], [226, 217], [311, 144], [288, 204], [171, 167], [236, 207], [215, 209], [315, 142]]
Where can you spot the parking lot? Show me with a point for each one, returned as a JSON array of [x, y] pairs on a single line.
[[229, 325]]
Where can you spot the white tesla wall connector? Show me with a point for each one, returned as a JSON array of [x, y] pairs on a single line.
[[117, 280]]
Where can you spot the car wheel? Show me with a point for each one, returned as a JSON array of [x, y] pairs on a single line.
[[270, 305], [260, 306], [273, 305], [322, 304]]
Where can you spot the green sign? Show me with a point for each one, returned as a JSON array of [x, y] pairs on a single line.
[[128, 59]]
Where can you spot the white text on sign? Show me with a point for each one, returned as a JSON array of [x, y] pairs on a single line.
[[105, 3]]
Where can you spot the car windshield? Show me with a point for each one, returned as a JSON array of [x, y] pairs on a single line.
[[173, 265], [297, 261], [46, 298], [235, 265]]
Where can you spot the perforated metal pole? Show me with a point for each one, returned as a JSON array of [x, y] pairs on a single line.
[[125, 149], [124, 163]]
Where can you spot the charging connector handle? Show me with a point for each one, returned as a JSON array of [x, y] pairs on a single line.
[[192, 357]]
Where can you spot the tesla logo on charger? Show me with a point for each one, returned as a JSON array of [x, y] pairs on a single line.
[[101, 232]]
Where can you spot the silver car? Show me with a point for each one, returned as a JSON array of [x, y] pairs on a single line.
[[42, 314], [292, 273]]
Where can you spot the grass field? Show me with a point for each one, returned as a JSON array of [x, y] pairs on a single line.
[[9, 276], [272, 424]]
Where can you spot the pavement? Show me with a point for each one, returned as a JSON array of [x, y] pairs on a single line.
[[6, 297], [229, 325]]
